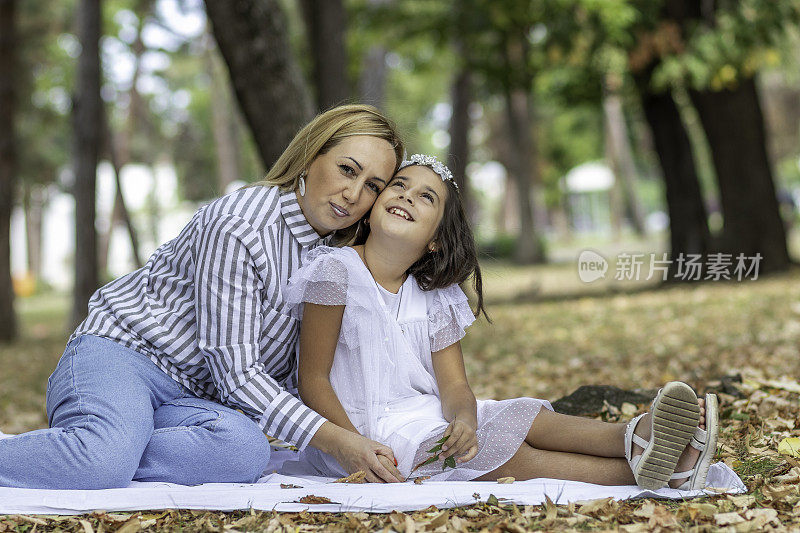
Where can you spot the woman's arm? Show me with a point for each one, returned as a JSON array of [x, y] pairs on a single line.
[[458, 403], [319, 333]]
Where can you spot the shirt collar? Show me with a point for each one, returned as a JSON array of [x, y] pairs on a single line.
[[297, 223]]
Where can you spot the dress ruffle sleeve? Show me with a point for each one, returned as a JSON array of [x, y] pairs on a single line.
[[449, 315], [323, 280]]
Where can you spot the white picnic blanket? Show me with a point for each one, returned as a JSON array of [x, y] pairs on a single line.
[[268, 494]]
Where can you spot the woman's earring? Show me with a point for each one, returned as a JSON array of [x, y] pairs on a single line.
[[301, 184]]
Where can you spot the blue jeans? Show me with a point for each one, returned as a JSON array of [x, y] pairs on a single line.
[[116, 417]]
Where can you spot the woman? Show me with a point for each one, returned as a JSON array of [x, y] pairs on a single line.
[[150, 383]]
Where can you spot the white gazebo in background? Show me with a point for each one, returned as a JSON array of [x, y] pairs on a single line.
[[588, 189]]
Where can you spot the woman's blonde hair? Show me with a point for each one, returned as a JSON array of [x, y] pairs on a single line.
[[324, 132]]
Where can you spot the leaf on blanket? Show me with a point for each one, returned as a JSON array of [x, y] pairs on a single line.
[[315, 500], [420, 479], [506, 480], [290, 486], [356, 477]]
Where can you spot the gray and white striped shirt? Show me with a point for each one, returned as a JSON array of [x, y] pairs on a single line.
[[208, 308]]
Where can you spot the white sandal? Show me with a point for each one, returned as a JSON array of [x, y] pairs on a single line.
[[675, 415], [704, 440]]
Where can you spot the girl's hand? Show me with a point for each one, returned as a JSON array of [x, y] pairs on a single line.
[[463, 441]]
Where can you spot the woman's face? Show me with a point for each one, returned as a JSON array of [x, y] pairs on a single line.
[[342, 184], [410, 209]]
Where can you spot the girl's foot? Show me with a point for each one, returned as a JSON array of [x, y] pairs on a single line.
[[655, 441], [690, 454]]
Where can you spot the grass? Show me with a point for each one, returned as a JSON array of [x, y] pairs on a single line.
[[551, 334]]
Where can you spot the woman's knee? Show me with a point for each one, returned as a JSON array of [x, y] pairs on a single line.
[[248, 451], [99, 464]]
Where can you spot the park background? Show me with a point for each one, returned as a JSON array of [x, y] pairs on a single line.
[[620, 126]]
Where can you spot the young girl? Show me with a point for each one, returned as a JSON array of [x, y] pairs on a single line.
[[379, 355]]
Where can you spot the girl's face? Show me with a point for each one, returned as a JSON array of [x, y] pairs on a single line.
[[411, 207], [342, 184]]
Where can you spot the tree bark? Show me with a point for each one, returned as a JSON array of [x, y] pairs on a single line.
[[87, 128], [688, 222], [8, 163], [223, 121], [325, 27], [622, 160], [734, 126], [34, 200], [528, 247], [372, 83], [459, 136], [253, 40]]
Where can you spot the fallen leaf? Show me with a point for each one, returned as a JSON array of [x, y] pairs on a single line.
[[777, 493], [290, 486], [506, 480], [592, 506], [440, 520], [762, 516], [790, 446], [134, 524], [742, 502], [356, 477], [420, 479], [727, 519], [317, 500], [701, 510], [87, 526]]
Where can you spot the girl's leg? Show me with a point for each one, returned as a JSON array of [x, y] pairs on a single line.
[[530, 463], [199, 441], [100, 404], [581, 449]]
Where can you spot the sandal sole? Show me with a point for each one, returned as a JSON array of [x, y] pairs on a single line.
[[675, 417], [698, 480]]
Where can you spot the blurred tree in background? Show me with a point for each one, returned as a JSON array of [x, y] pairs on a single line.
[[693, 106]]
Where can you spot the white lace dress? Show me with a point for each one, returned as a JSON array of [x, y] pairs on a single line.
[[382, 371]]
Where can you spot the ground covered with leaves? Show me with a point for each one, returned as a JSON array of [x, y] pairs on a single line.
[[739, 339]]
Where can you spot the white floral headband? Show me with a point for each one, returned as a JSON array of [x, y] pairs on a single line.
[[431, 162]]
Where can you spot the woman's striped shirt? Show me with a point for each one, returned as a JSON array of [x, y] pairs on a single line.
[[208, 308]]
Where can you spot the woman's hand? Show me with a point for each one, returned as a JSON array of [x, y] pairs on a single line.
[[356, 452], [462, 442]]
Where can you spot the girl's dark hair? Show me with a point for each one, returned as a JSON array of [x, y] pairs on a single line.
[[456, 256]]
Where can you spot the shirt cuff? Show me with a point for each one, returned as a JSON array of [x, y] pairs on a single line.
[[290, 420]]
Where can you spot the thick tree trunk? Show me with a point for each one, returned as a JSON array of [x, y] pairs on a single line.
[[734, 126], [619, 149], [688, 222], [372, 82], [459, 136], [325, 26], [529, 247], [87, 127], [253, 40], [223, 120], [8, 163]]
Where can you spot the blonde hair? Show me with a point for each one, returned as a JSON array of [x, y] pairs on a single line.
[[324, 132]]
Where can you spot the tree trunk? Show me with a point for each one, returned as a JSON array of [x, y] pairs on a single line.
[[459, 136], [372, 83], [8, 163], [734, 126], [622, 160], [325, 27], [253, 40], [223, 120], [34, 200], [529, 247], [87, 127], [688, 222]]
